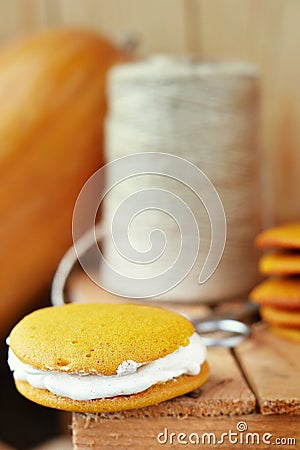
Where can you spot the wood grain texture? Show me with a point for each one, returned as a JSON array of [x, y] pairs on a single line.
[[265, 33], [18, 18], [155, 26], [272, 367], [132, 433]]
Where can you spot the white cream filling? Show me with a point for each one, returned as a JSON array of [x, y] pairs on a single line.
[[131, 377]]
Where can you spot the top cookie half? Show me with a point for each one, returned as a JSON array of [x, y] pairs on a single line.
[[97, 338]]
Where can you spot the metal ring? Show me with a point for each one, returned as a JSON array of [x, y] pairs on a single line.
[[68, 262], [240, 329]]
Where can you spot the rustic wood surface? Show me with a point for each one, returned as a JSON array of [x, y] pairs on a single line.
[[137, 434], [226, 391], [272, 367]]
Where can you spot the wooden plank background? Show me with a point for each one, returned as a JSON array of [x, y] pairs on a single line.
[[265, 32]]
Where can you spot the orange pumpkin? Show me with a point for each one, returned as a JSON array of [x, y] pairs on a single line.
[[52, 104]]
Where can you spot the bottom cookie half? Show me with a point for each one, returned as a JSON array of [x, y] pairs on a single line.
[[155, 394]]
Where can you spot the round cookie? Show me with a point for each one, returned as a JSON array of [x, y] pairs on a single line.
[[278, 292], [97, 338], [274, 316], [89, 339], [292, 334], [284, 236], [155, 394], [280, 263]]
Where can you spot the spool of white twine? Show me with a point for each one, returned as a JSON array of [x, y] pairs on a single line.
[[205, 113]]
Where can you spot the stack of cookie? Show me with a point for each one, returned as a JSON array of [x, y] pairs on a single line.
[[279, 295]]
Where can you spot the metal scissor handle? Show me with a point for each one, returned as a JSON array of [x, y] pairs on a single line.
[[68, 262], [240, 329]]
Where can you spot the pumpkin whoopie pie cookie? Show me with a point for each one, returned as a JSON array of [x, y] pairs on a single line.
[[279, 292], [105, 357], [280, 263], [276, 316], [281, 237], [279, 296]]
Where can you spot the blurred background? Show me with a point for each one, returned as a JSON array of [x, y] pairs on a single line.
[[263, 32]]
